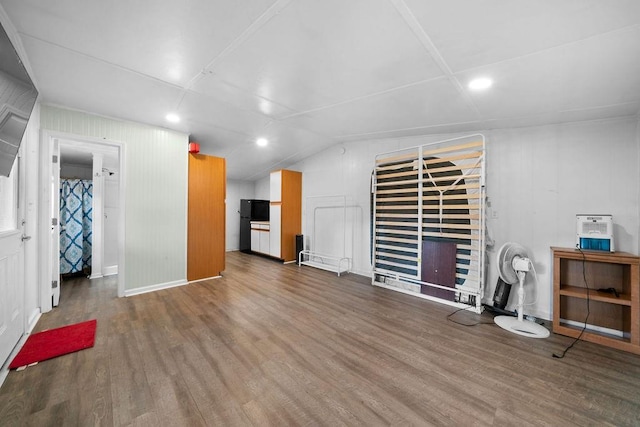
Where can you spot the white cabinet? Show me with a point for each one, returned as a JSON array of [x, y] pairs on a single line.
[[264, 242], [255, 240], [260, 237], [276, 228], [275, 188]]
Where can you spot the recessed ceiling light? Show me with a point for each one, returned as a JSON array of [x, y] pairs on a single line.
[[262, 142], [480, 83], [173, 118]]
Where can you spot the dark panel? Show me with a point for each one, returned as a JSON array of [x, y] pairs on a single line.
[[245, 234], [438, 267]]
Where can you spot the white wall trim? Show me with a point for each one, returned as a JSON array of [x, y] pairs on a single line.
[[44, 221], [110, 270], [97, 205], [153, 288]]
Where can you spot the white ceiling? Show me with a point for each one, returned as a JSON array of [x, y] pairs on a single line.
[[307, 74]]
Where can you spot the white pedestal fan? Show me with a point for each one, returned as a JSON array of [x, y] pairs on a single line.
[[513, 265]]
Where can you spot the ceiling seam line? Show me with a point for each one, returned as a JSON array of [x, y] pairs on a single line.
[[248, 110], [360, 98], [412, 22], [486, 122], [273, 11], [600, 106], [408, 129], [104, 61], [283, 161], [516, 58], [258, 23]]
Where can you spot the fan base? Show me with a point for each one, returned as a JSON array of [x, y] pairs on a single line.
[[521, 327]]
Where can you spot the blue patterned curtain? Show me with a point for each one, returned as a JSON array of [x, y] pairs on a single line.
[[75, 225]]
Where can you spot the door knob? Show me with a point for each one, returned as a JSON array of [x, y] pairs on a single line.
[[25, 238]]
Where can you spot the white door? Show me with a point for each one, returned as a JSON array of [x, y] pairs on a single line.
[[55, 223], [11, 261]]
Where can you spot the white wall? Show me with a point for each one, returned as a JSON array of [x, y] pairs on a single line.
[[236, 190], [263, 189], [155, 196], [538, 179]]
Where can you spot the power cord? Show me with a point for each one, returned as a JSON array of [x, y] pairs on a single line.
[[465, 324], [584, 277]]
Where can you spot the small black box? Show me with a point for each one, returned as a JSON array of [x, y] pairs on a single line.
[[299, 246], [501, 295]]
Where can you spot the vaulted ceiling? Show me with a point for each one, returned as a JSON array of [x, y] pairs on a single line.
[[306, 74]]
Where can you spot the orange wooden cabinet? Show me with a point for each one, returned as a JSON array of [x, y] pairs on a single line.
[[285, 213], [206, 217], [614, 316]]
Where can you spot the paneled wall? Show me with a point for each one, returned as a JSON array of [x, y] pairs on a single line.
[[538, 179], [155, 194]]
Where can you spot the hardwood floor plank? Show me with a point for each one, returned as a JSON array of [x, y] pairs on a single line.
[[274, 344]]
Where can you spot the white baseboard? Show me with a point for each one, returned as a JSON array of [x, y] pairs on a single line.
[[95, 276], [33, 319], [110, 270], [153, 288], [206, 278]]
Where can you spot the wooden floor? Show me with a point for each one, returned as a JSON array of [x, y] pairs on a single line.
[[273, 344]]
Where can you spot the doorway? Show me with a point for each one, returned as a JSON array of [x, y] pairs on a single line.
[[86, 236]]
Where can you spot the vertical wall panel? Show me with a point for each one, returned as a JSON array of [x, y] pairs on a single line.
[[155, 193]]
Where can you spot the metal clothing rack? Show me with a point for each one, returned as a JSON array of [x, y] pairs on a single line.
[[336, 235]]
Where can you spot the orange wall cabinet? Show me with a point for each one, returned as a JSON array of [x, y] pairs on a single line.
[[206, 217], [285, 213], [613, 290]]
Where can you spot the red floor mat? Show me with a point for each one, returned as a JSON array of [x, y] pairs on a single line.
[[56, 342]]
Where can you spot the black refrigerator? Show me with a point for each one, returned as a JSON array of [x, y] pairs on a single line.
[[251, 210]]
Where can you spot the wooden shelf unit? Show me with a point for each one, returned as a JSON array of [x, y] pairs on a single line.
[[613, 321]]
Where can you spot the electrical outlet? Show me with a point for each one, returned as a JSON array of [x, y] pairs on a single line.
[[494, 214]]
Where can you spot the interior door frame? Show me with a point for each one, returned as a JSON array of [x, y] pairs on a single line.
[[46, 169]]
